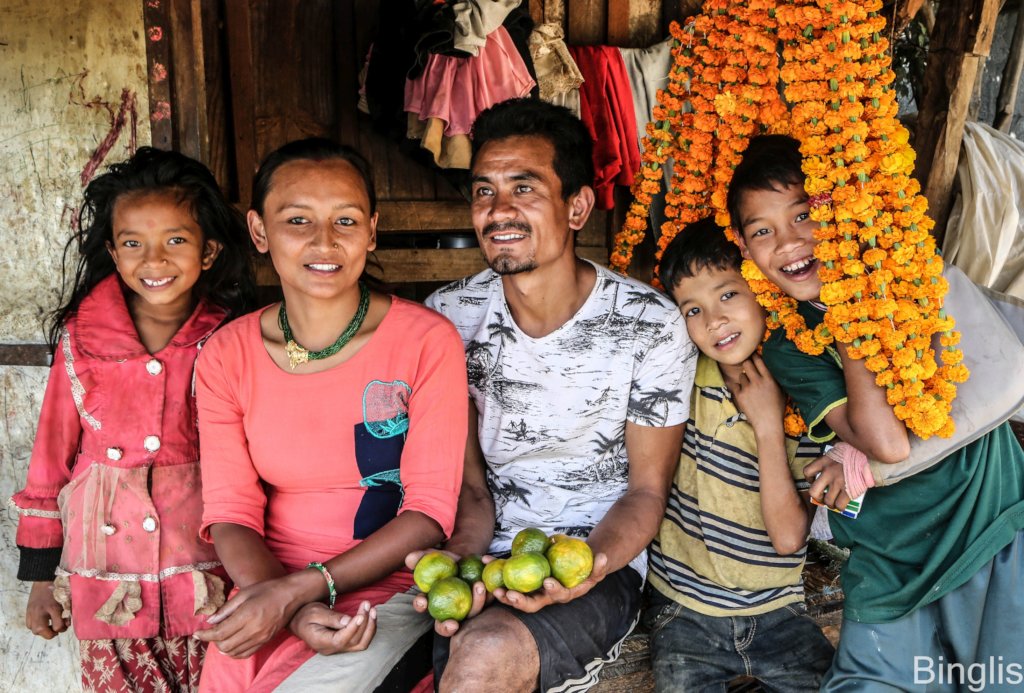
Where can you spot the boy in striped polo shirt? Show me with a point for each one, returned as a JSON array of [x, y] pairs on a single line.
[[727, 597]]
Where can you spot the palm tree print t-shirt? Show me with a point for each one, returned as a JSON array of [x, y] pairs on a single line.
[[553, 409]]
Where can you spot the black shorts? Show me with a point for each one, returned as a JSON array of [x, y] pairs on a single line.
[[576, 639]]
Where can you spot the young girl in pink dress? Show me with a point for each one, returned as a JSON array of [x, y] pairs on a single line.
[[333, 431], [111, 509]]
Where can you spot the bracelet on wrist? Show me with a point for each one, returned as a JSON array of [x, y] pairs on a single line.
[[332, 593]]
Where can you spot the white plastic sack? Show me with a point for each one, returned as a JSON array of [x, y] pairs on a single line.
[[985, 233]]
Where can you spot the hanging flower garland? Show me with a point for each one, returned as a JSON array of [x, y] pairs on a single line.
[[701, 126], [881, 276]]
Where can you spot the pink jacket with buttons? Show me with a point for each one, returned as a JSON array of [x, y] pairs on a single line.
[[114, 476]]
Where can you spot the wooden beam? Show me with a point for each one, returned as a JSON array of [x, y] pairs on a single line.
[[588, 25], [25, 355], [188, 97], [218, 156], [238, 19], [156, 23], [424, 216], [403, 266], [1006, 103], [956, 55], [618, 23]]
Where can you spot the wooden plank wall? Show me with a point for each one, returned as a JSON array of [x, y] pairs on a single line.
[[958, 49], [249, 75]]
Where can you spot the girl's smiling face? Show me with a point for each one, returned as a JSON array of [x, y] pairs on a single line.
[[317, 227], [777, 233], [159, 250]]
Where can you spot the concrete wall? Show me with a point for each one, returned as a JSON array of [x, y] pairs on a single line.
[[66, 69]]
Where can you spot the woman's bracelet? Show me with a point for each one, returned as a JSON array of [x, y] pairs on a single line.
[[332, 592]]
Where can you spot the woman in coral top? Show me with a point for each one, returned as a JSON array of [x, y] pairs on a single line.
[[332, 427]]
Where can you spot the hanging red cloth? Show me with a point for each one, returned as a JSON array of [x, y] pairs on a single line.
[[606, 107]]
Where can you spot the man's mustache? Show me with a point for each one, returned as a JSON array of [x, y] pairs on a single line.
[[500, 226]]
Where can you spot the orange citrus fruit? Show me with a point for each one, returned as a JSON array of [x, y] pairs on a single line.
[[450, 598], [571, 561], [530, 539], [471, 568], [525, 572], [492, 575], [432, 567]]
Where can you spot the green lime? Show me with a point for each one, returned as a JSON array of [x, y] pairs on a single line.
[[492, 575], [526, 572], [530, 539], [432, 567], [471, 568], [450, 598], [571, 561]]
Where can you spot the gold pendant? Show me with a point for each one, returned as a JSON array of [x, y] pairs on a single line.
[[297, 355]]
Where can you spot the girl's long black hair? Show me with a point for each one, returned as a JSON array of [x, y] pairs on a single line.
[[228, 283]]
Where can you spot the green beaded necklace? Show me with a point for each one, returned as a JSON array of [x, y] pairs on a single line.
[[298, 354]]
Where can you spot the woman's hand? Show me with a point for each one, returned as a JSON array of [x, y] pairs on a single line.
[[43, 614], [252, 616], [480, 596], [327, 632]]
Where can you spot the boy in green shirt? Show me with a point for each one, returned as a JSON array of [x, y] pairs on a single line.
[[725, 567], [933, 582]]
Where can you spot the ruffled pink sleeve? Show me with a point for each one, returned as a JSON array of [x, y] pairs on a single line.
[[53, 456]]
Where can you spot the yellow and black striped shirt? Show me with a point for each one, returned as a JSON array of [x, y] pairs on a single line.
[[713, 554]]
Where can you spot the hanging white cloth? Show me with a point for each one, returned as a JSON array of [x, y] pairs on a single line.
[[985, 233]]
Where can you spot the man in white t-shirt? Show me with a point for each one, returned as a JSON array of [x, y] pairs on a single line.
[[579, 389]]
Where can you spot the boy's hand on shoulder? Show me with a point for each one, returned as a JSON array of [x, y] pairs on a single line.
[[759, 397], [828, 485]]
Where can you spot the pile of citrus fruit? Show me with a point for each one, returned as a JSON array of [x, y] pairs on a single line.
[[535, 556]]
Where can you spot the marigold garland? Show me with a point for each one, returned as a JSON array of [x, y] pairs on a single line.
[[881, 276]]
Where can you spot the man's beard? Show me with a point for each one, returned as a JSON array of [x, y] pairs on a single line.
[[505, 265]]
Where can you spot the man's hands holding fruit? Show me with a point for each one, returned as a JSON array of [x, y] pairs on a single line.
[[541, 571]]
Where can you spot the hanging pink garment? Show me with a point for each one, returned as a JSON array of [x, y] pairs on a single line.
[[606, 107], [456, 90]]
